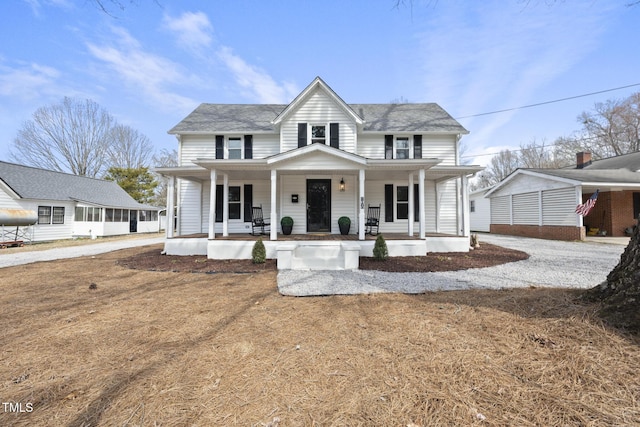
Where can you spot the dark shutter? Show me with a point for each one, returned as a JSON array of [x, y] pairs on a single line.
[[388, 146], [248, 201], [388, 202], [219, 202], [302, 134], [417, 146], [416, 202], [248, 146], [334, 135], [219, 146]]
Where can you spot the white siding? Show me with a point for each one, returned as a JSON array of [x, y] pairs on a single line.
[[441, 147], [197, 146], [204, 146], [190, 207], [558, 207], [318, 109], [500, 210], [46, 232], [480, 219], [524, 183], [526, 209], [447, 207], [8, 202], [261, 197]]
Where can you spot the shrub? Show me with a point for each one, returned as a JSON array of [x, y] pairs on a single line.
[[259, 252], [286, 220], [344, 220], [380, 250]]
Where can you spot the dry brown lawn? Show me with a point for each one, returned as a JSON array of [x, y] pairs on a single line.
[[149, 348]]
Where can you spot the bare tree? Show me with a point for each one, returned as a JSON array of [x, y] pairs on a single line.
[[611, 129], [129, 149], [164, 159], [71, 136]]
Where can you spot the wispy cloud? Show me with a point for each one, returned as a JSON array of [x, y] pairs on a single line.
[[193, 30], [154, 75], [500, 55], [28, 82], [36, 5], [256, 82], [194, 33]]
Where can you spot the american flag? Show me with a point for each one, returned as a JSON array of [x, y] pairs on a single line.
[[584, 208]]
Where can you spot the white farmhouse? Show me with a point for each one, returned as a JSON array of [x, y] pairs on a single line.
[[315, 160]]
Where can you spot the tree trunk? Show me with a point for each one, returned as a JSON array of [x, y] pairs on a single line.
[[620, 293]]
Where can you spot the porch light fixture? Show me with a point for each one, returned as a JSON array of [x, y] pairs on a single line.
[[341, 184]]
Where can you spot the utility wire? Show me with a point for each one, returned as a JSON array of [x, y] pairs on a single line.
[[548, 102]]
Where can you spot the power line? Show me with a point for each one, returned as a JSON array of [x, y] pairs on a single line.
[[548, 102]]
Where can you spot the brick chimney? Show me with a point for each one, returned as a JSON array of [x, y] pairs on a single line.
[[583, 159]]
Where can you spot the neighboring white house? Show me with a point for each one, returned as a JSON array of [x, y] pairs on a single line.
[[315, 160], [542, 202], [69, 206], [479, 210]]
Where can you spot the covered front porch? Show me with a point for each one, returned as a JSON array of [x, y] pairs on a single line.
[[315, 185]]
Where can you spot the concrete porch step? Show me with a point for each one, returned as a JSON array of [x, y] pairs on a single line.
[[322, 255]]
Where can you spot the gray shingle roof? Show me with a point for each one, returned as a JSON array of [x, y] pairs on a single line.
[[406, 118], [33, 183], [593, 175], [248, 118], [629, 161]]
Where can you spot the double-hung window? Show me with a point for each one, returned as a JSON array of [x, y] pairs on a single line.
[[402, 147], [44, 214], [234, 147], [402, 202], [318, 134], [235, 202]]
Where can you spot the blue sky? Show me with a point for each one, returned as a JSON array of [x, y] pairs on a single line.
[[153, 63]]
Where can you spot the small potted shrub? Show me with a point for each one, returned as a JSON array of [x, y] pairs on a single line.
[[344, 222], [287, 224]]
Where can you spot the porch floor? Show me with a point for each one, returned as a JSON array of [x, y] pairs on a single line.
[[312, 237]]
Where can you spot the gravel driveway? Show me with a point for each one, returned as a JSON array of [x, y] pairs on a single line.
[[551, 263]]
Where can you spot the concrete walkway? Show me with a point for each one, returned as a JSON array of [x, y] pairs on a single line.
[[9, 258]]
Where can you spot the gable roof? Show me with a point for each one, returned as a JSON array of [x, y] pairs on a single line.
[[317, 83], [614, 177], [263, 118], [34, 183], [629, 161]]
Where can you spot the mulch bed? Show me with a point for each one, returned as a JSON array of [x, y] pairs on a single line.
[[486, 255]]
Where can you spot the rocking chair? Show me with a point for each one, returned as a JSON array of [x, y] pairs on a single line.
[[373, 220], [258, 221]]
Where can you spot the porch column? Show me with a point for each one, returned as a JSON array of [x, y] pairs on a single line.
[[212, 205], [466, 225], [579, 218], [361, 218], [171, 190], [421, 202], [273, 233], [411, 205], [225, 205]]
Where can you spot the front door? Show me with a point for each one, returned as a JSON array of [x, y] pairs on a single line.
[[319, 205], [133, 221]]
